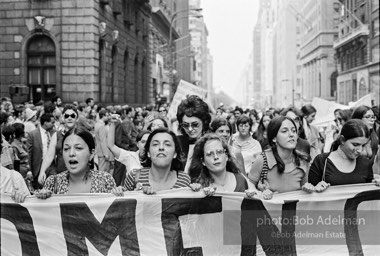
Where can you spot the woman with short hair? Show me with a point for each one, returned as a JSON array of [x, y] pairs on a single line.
[[163, 157]]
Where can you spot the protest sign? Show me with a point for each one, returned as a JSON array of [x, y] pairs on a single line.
[[340, 221], [184, 89]]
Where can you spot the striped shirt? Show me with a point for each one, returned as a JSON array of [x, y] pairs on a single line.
[[183, 179]]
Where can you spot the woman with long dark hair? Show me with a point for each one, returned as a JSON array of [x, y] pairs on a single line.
[[281, 168], [315, 139], [80, 177], [368, 117], [345, 164], [261, 133]]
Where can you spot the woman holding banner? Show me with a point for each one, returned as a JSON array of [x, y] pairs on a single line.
[[281, 168], [213, 168], [78, 153], [222, 128], [163, 156], [54, 152], [344, 165]]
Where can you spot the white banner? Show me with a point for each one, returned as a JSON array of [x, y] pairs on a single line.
[[183, 89], [340, 221]]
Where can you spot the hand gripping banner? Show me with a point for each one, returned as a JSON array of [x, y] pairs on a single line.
[[344, 220]]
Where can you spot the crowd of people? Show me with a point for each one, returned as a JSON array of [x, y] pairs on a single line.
[[53, 148]]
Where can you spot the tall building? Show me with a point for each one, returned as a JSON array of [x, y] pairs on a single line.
[[199, 34], [285, 49], [75, 49], [357, 50], [318, 25], [262, 56], [160, 43], [246, 83]]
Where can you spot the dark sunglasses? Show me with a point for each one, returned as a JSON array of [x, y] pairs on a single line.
[[193, 125], [71, 115]]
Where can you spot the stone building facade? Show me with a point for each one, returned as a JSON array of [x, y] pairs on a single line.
[[357, 50], [76, 49]]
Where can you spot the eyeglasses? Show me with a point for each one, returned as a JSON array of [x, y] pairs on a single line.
[[370, 117], [243, 125], [193, 125], [70, 115], [161, 110], [218, 152]]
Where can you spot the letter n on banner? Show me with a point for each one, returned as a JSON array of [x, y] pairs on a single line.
[[257, 222], [79, 222], [23, 222], [351, 230], [172, 208]]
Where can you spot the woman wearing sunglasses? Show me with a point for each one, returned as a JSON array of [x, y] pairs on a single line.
[[70, 116], [212, 166], [194, 119], [366, 114]]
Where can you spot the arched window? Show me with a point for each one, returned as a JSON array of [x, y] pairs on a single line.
[[125, 69], [113, 73], [41, 68], [333, 84]]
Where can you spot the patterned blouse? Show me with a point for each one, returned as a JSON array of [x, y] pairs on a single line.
[[101, 182], [183, 179]]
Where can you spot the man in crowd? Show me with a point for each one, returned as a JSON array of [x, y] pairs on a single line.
[[38, 142], [105, 156]]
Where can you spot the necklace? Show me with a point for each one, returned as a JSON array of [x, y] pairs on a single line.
[[340, 152]]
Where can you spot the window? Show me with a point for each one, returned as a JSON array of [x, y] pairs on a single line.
[[41, 68], [333, 84], [362, 88], [101, 69], [136, 78], [125, 69], [113, 72]]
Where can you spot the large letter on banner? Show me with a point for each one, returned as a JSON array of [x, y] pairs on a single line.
[[79, 222], [173, 208], [350, 213], [23, 222], [257, 222]]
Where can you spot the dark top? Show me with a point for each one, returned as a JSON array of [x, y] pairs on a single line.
[[361, 174], [59, 162], [303, 146], [241, 183]]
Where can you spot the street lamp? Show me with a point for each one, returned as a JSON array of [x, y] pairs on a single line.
[[172, 20]]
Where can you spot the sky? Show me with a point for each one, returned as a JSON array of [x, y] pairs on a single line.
[[230, 24]]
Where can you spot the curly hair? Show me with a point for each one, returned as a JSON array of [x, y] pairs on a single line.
[[194, 106], [197, 171]]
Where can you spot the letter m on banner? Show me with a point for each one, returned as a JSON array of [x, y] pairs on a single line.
[[79, 222]]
